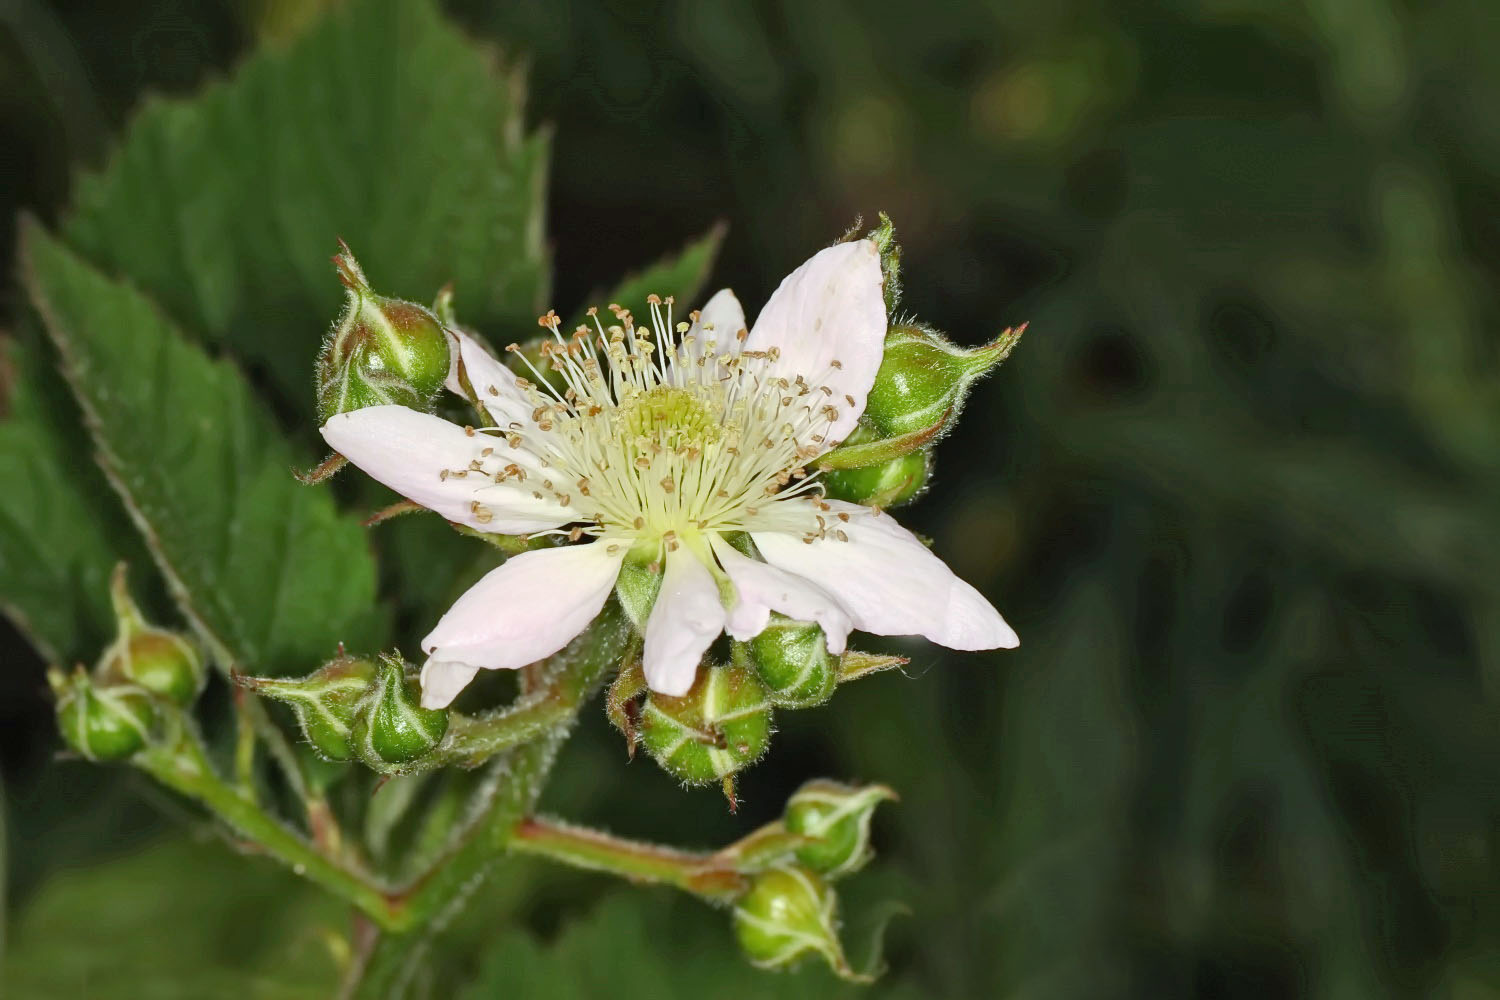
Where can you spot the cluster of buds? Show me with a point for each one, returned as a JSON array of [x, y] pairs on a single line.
[[143, 678], [353, 708], [919, 390], [380, 351], [790, 910]]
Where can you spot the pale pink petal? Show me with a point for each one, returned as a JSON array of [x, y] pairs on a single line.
[[429, 461], [831, 309], [442, 680], [494, 383], [685, 620], [720, 322], [761, 588], [717, 327], [889, 582], [528, 608]]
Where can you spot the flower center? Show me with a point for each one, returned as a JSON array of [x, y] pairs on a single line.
[[672, 416], [653, 438]]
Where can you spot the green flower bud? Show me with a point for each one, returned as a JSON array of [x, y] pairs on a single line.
[[924, 378], [720, 727], [162, 662], [391, 727], [102, 722], [380, 351], [788, 914], [836, 820], [792, 660], [887, 484], [325, 701]]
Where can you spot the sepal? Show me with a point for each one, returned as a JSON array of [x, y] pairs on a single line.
[[884, 236], [637, 586], [380, 351], [325, 701], [853, 664]]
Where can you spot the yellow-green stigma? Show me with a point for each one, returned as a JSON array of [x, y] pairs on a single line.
[[674, 417]]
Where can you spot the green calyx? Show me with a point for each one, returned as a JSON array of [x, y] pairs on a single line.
[[719, 728], [791, 659], [886, 484], [924, 378], [325, 701], [162, 662], [835, 820], [381, 350], [391, 728], [789, 914], [102, 721]]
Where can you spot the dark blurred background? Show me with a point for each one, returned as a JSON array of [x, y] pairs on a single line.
[[1238, 489]]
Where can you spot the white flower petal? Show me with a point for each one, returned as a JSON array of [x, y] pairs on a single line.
[[685, 620], [889, 582], [528, 608], [720, 322], [762, 588], [494, 383], [410, 451], [832, 308], [442, 680]]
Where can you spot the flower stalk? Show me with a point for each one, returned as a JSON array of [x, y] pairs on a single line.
[[709, 876], [184, 767]]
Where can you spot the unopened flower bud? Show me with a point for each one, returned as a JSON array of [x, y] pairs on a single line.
[[885, 485], [721, 726], [835, 819], [792, 660], [102, 721], [325, 701], [380, 351], [160, 661], [391, 727], [789, 914], [924, 378]]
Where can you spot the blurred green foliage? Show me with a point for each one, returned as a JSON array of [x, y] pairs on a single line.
[[1238, 490]]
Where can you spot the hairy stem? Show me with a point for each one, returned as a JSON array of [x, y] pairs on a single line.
[[185, 768], [425, 906], [711, 876], [476, 738]]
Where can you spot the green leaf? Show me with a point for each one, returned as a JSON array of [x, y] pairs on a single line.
[[383, 126], [155, 923], [60, 530], [266, 568], [681, 276]]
